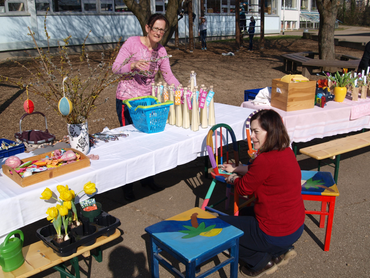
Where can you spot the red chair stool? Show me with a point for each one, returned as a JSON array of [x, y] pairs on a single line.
[[320, 186]]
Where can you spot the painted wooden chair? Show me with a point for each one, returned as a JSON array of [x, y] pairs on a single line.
[[222, 147]]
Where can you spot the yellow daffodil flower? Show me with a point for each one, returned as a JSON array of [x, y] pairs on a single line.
[[52, 213], [63, 210], [46, 195], [73, 193], [66, 196], [62, 188], [67, 204], [89, 188]]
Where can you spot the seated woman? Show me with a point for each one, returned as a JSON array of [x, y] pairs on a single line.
[[276, 221]]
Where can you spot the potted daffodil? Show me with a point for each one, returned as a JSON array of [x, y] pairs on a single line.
[[65, 212]]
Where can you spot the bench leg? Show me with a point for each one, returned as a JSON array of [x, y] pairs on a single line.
[[336, 169], [64, 272]]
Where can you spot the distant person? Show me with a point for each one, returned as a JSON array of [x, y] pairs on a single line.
[[242, 20], [203, 32], [251, 28], [364, 63]]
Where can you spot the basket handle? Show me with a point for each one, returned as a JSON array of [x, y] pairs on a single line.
[[127, 101], [24, 115], [167, 103]]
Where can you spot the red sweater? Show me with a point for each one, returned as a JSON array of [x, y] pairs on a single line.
[[275, 179]]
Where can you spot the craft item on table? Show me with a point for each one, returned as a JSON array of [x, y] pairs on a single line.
[[189, 103], [65, 105], [251, 151], [185, 110], [93, 157], [28, 105], [165, 92], [159, 91], [263, 97], [364, 92], [13, 161], [88, 205], [203, 107], [322, 97], [153, 89], [178, 108], [211, 107], [193, 81], [194, 113], [171, 115], [354, 93]]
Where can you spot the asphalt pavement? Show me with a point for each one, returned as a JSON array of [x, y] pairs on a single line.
[[184, 188]]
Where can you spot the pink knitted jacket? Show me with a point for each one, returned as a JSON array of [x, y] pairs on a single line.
[[139, 85]]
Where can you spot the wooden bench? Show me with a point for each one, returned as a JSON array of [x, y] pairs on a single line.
[[39, 257], [345, 57], [333, 149], [292, 60]]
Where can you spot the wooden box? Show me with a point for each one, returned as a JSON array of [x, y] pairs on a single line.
[[293, 96], [49, 174]]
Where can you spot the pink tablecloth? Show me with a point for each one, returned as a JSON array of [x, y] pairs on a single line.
[[334, 118], [359, 108]]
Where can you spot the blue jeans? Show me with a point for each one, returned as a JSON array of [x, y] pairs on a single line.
[[120, 107], [251, 41], [203, 35], [254, 250]]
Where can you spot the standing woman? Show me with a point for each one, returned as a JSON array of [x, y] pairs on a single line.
[[144, 53], [276, 221], [251, 28], [203, 32]]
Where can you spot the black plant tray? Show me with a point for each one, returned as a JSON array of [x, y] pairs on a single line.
[[104, 224]]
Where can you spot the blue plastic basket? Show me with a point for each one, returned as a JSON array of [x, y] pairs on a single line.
[[11, 150], [147, 114]]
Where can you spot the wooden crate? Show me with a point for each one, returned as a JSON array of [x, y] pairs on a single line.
[[293, 96], [49, 174]]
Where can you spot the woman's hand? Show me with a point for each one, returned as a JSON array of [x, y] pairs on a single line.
[[230, 179], [228, 167], [140, 65]]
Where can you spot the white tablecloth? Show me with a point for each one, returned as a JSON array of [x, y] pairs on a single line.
[[335, 118], [127, 160]]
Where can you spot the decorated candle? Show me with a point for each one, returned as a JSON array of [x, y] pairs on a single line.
[[203, 107], [211, 107], [171, 115], [178, 108], [153, 89], [185, 110], [194, 113]]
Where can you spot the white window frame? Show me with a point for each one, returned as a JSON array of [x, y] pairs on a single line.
[[6, 7]]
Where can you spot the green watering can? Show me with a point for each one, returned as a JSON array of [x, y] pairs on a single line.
[[11, 256]]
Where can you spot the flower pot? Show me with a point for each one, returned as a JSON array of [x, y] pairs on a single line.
[[93, 213], [79, 137], [340, 94]]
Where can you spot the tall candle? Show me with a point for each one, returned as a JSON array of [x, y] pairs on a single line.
[[178, 108], [211, 109], [185, 110], [171, 115]]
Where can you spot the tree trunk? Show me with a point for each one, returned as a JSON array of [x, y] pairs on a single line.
[[328, 13], [191, 35], [262, 27], [142, 12], [237, 24]]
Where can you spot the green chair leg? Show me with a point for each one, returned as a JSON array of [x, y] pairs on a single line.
[[336, 169]]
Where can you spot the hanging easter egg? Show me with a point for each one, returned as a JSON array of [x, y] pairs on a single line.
[[13, 161], [65, 106], [28, 106]]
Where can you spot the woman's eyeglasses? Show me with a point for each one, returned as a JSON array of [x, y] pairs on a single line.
[[156, 30]]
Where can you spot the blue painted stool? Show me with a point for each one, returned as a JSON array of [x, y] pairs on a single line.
[[193, 237]]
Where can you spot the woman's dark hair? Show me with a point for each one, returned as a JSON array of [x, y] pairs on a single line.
[[154, 17], [277, 137]]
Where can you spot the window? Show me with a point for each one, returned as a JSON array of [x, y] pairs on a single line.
[[313, 6], [160, 6], [80, 5], [13, 6], [220, 6], [271, 6], [304, 4], [290, 4]]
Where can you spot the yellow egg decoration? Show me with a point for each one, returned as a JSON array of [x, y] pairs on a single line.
[[65, 106]]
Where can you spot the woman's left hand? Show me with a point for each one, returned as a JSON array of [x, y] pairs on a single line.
[[230, 179]]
